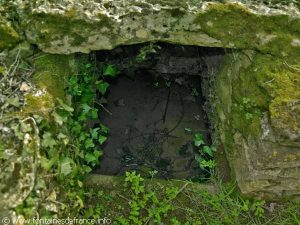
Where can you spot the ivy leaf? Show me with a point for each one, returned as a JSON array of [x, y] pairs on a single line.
[[87, 66], [208, 150], [87, 169], [82, 136], [58, 118], [89, 157], [25, 127], [94, 113], [89, 143], [48, 140], [65, 166], [64, 106], [199, 139], [46, 163], [76, 128], [97, 153], [94, 133], [64, 138], [102, 87], [110, 70], [102, 139], [85, 108], [104, 129]]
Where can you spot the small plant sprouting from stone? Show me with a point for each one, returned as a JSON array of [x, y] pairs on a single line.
[[205, 155], [248, 107], [153, 173]]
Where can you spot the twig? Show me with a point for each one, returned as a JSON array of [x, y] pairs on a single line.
[[121, 196], [167, 106], [269, 81], [180, 190], [292, 67], [103, 107]]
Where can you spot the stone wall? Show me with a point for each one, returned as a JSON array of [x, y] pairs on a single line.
[[256, 94], [258, 114]]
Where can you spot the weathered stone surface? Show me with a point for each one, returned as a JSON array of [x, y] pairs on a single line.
[[258, 121], [20, 139], [8, 36], [257, 91], [81, 26]]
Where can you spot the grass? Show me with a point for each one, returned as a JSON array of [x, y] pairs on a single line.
[[182, 202]]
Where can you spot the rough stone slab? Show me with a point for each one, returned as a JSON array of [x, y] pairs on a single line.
[[258, 121], [67, 26], [112, 182]]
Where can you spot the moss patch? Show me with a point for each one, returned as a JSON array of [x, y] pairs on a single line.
[[281, 81], [54, 27], [51, 72], [8, 36], [237, 27], [49, 77]]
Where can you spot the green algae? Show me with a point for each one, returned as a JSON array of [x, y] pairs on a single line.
[[237, 27]]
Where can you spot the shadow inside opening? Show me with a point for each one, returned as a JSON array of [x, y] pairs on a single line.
[[154, 110]]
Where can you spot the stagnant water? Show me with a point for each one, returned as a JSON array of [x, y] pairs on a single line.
[[153, 112]]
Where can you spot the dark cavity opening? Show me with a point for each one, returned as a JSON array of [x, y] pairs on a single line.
[[154, 109]]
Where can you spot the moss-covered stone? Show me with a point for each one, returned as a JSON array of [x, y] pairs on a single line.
[[8, 35], [51, 73], [257, 118], [69, 26], [238, 27]]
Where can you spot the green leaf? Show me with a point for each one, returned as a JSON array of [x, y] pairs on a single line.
[[87, 66], [58, 118], [87, 169], [110, 70], [102, 87], [188, 130], [89, 143], [199, 139], [48, 140], [25, 127], [89, 157], [64, 106], [102, 139], [65, 166], [208, 150], [15, 101], [64, 138], [76, 127], [97, 153], [85, 108], [94, 113], [82, 136], [94, 132], [46, 163], [208, 163], [104, 129]]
